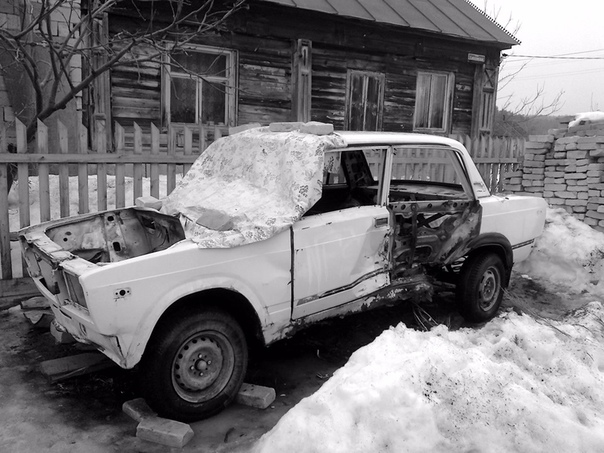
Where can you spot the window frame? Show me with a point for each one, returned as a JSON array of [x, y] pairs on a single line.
[[229, 81], [381, 80], [446, 102]]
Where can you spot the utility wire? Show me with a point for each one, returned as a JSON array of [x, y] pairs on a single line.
[[553, 57]]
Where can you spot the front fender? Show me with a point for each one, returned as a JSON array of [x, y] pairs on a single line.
[[139, 340]]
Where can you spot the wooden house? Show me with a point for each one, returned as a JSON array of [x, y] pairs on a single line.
[[396, 65]]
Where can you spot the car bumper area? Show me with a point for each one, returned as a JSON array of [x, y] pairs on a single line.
[[75, 320]]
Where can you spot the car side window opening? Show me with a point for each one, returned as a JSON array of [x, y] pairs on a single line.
[[354, 184]]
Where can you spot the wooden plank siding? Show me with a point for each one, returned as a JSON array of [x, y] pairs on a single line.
[[264, 38]]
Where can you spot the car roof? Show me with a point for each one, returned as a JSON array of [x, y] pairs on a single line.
[[360, 138]]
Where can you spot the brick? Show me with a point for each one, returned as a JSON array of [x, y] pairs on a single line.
[[577, 154], [594, 193], [514, 181], [255, 396], [565, 195], [596, 153], [513, 174], [595, 215], [555, 187], [539, 157], [561, 155], [556, 201], [594, 181], [76, 365], [548, 194], [594, 139], [575, 176], [594, 173], [571, 139], [554, 174], [582, 196], [531, 176], [576, 203], [138, 409], [571, 147], [163, 431], [513, 187], [591, 222], [595, 166], [148, 202]]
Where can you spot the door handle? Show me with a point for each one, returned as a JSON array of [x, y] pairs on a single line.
[[380, 222]]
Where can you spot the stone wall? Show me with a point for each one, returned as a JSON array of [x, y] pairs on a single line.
[[567, 169]]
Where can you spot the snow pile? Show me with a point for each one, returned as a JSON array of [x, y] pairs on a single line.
[[513, 385], [516, 384], [569, 255], [587, 118]]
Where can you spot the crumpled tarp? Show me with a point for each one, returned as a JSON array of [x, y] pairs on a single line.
[[249, 186]]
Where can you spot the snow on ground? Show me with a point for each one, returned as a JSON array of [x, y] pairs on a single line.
[[516, 384]]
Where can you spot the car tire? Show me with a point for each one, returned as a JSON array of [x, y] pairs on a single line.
[[480, 287], [194, 365]]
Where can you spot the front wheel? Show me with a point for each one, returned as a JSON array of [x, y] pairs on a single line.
[[480, 287], [194, 365]]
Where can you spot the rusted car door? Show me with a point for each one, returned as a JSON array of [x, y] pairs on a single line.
[[341, 251]]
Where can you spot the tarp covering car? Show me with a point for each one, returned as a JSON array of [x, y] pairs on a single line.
[[249, 186]]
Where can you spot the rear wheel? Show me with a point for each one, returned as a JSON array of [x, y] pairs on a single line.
[[480, 287], [194, 365]]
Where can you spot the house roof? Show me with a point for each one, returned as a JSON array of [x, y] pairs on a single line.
[[458, 18]]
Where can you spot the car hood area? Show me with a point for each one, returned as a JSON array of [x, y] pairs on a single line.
[[249, 186]]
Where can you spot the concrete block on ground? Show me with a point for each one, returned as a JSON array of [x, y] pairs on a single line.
[[138, 409], [40, 319], [35, 303], [76, 365], [163, 431], [256, 396]]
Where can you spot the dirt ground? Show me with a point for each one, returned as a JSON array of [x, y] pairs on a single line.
[[84, 413]]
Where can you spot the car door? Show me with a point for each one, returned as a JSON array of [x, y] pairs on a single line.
[[338, 257], [342, 250]]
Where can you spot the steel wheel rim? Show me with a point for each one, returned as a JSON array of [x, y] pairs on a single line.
[[202, 366], [488, 289]]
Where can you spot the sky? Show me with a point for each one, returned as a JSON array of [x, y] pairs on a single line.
[[552, 28]]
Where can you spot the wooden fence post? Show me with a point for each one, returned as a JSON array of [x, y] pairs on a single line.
[[5, 257], [101, 169], [43, 173], [83, 194], [120, 173], [63, 171], [138, 168], [154, 167]]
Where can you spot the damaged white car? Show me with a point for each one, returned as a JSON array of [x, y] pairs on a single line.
[[268, 232]]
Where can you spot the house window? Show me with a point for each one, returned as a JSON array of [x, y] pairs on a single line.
[[364, 101], [433, 101], [199, 86]]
